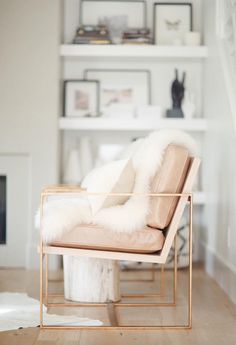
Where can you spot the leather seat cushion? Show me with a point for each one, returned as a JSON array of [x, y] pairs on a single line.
[[146, 240]]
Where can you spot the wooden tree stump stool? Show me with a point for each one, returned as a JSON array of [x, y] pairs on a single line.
[[91, 279]]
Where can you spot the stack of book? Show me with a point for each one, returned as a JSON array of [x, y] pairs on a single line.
[[137, 36], [92, 34]]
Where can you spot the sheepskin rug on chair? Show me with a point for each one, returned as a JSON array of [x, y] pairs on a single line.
[[62, 214]]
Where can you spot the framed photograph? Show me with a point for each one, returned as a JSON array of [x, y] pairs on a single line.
[[92, 11], [121, 90], [171, 21], [81, 98]]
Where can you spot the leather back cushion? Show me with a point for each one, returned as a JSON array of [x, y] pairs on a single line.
[[169, 179]]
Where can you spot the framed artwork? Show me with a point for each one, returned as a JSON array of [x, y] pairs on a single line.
[[121, 89], [81, 98], [92, 11], [171, 21]]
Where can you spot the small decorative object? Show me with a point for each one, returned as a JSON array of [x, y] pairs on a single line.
[[81, 98], [119, 110], [116, 26], [188, 106], [129, 88], [177, 94], [86, 158], [137, 36], [91, 11], [171, 21], [72, 173], [92, 34], [192, 38], [148, 112]]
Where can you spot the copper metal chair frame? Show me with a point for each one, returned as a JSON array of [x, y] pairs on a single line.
[[184, 198], [47, 250]]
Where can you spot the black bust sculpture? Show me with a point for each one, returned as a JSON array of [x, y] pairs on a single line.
[[177, 94]]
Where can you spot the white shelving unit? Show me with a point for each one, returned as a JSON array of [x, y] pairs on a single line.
[[112, 124], [133, 51], [161, 61]]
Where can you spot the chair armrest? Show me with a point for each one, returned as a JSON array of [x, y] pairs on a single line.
[[77, 189], [62, 188]]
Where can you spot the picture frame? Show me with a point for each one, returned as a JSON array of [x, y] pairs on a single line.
[[91, 10], [121, 90], [171, 20], [81, 98]]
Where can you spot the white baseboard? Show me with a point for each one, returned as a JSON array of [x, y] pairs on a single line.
[[32, 258], [220, 270]]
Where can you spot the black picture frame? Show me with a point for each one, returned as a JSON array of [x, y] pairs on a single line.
[[97, 87], [112, 70], [189, 4], [81, 22]]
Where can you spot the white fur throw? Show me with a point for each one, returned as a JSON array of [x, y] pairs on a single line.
[[63, 215], [114, 177]]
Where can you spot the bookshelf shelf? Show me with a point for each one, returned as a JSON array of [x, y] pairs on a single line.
[[132, 51], [106, 124]]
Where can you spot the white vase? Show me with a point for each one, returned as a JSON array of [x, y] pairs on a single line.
[[72, 174], [188, 106], [86, 158]]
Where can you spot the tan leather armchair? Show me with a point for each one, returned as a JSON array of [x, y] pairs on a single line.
[[170, 193]]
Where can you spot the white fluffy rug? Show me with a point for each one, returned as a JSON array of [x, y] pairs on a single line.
[[61, 216], [19, 310]]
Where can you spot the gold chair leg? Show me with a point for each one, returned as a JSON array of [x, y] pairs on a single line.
[[190, 261], [46, 280], [111, 309], [175, 270], [41, 265], [162, 280], [41, 288]]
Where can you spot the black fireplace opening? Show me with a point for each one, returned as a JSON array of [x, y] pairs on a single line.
[[3, 209]]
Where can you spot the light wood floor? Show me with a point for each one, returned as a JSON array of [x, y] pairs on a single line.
[[214, 315]]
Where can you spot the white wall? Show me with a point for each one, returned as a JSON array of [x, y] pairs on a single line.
[[29, 73], [219, 237]]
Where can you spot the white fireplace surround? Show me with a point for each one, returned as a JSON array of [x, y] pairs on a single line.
[[17, 170]]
